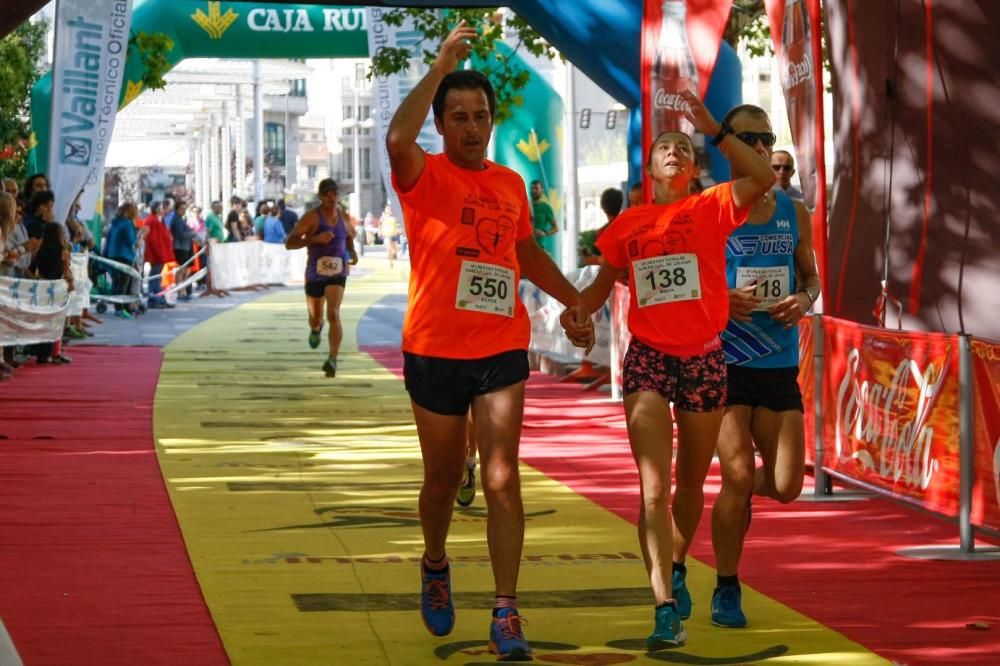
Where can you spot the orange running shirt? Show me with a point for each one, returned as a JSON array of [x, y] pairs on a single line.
[[462, 228], [676, 259]]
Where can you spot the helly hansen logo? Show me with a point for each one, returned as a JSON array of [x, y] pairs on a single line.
[[784, 224]]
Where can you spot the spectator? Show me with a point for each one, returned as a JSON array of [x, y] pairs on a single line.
[[122, 243], [274, 230], [9, 255], [611, 204], [245, 226], [159, 251], [52, 263], [39, 211], [287, 216], [258, 222], [183, 238]]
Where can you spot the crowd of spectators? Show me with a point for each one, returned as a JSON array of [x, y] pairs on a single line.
[[140, 239]]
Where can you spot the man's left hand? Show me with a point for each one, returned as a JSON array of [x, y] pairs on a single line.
[[789, 311]]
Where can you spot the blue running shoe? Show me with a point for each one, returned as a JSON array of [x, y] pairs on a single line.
[[727, 607], [314, 338], [668, 631], [681, 594], [436, 607], [506, 638]]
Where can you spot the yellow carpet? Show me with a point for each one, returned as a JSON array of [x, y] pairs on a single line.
[[297, 494]]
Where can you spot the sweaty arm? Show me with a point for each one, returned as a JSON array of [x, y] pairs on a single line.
[[406, 158], [538, 267]]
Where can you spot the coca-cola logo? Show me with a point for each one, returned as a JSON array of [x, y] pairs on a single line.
[[797, 72], [664, 99], [885, 419]]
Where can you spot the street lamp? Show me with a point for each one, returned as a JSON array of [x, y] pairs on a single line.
[[357, 123]]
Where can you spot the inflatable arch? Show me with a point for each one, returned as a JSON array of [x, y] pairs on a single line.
[[600, 38]]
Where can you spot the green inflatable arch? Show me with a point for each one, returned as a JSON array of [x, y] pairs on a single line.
[[529, 142]]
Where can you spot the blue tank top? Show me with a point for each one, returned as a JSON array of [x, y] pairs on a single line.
[[321, 264], [765, 252]]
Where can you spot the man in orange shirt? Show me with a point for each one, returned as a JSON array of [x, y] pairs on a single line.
[[466, 333]]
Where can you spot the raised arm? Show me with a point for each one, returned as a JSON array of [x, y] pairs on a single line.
[[759, 179], [406, 158]]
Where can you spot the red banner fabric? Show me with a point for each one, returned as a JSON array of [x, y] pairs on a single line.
[[986, 486], [807, 383], [796, 35], [680, 43], [891, 411]]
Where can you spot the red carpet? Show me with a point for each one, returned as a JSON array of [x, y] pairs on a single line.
[[93, 569], [834, 562]]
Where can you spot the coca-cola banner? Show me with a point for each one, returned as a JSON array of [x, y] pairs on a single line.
[[891, 411], [986, 488], [680, 43], [795, 31]]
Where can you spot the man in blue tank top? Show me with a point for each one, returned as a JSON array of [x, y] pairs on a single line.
[[330, 242], [773, 280]]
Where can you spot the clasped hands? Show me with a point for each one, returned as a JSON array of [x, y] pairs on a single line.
[[579, 327]]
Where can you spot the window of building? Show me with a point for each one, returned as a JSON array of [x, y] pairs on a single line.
[[274, 143], [366, 163], [298, 88], [349, 162], [311, 171]]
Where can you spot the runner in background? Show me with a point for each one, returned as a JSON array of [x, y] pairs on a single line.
[[330, 242], [674, 250], [466, 333], [773, 280]]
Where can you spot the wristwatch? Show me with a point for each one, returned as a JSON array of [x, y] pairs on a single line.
[[724, 129], [812, 293]]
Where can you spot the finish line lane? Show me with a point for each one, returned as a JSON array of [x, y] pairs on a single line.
[[297, 496]]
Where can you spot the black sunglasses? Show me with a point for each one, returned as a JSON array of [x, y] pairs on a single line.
[[783, 167], [330, 190], [751, 138]]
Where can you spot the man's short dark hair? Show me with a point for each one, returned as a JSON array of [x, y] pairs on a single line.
[[612, 200], [750, 109], [326, 185], [281, 204], [464, 79], [536, 182]]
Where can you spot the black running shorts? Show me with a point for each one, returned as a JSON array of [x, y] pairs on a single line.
[[776, 389], [447, 386], [317, 289]]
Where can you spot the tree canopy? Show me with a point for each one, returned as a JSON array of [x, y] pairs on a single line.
[[20, 54]]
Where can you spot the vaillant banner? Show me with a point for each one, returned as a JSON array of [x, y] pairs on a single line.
[[389, 91], [91, 43]]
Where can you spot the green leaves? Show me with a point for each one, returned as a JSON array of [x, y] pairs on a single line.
[[153, 48], [491, 24], [20, 54]]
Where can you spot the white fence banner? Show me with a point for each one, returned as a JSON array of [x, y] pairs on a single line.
[[32, 311], [79, 298], [91, 42], [389, 91], [235, 265], [547, 333]]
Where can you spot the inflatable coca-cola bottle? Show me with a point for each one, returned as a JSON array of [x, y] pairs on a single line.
[[673, 71], [800, 93]]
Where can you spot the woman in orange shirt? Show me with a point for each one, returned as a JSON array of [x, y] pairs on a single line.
[[674, 251]]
